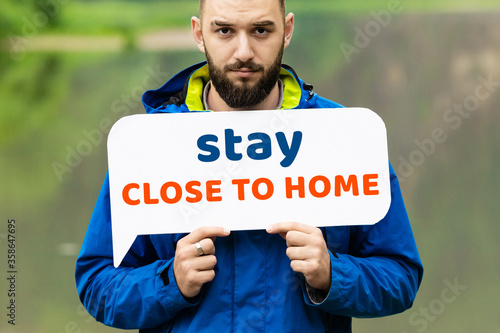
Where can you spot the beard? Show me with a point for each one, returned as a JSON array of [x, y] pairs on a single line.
[[244, 95]]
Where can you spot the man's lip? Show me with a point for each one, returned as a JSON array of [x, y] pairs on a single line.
[[244, 72]]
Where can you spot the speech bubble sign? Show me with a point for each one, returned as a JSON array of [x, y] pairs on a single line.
[[172, 173]]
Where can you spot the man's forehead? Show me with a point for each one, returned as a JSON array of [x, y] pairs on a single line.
[[236, 10]]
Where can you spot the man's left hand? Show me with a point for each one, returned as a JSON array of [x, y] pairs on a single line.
[[307, 252]]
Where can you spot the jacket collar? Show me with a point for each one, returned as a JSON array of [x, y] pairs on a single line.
[[184, 91]]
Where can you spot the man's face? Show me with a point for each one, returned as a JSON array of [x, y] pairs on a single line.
[[243, 41]]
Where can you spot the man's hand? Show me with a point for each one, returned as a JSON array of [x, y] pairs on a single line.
[[191, 270], [307, 251]]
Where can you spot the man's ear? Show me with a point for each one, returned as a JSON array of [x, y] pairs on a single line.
[[289, 22], [197, 34]]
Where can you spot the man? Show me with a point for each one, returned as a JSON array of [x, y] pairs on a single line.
[[213, 280]]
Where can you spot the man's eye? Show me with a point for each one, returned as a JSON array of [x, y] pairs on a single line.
[[224, 31], [261, 31]]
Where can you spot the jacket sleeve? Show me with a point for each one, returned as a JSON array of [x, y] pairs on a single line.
[[381, 272], [133, 295]]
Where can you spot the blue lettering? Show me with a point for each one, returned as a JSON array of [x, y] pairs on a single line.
[[231, 141], [260, 150], [204, 146], [290, 152]]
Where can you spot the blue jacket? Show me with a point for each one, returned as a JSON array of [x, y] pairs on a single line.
[[376, 270]]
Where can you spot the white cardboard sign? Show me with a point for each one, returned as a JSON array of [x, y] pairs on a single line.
[[172, 173]]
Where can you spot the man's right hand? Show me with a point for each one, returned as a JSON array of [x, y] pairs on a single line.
[[191, 270]]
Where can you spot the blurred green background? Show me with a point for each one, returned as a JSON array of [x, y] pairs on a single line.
[[430, 69]]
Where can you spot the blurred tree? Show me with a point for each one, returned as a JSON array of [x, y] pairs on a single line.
[[50, 9]]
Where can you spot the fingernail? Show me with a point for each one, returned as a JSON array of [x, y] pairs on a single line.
[[227, 231], [269, 229]]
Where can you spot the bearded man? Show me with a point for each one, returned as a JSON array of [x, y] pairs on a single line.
[[289, 278]]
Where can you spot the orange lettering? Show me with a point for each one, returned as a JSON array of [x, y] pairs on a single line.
[[299, 187], [178, 192], [241, 187], [211, 190], [126, 197], [191, 190], [352, 182], [255, 188], [147, 196], [326, 190], [367, 184]]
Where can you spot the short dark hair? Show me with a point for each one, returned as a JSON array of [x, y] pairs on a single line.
[[282, 4]]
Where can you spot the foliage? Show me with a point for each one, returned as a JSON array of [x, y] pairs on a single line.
[[115, 16]]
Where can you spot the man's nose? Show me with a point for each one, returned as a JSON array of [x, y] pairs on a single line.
[[244, 50]]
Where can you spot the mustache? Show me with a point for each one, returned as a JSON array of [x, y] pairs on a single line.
[[244, 64]]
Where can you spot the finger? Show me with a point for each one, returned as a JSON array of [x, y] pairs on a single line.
[[297, 238], [205, 276], [303, 266], [205, 232], [285, 227], [207, 246], [298, 253], [205, 263]]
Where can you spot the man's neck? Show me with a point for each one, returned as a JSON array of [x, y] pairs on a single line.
[[216, 103]]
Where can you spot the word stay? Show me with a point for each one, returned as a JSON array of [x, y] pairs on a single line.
[[260, 147]]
